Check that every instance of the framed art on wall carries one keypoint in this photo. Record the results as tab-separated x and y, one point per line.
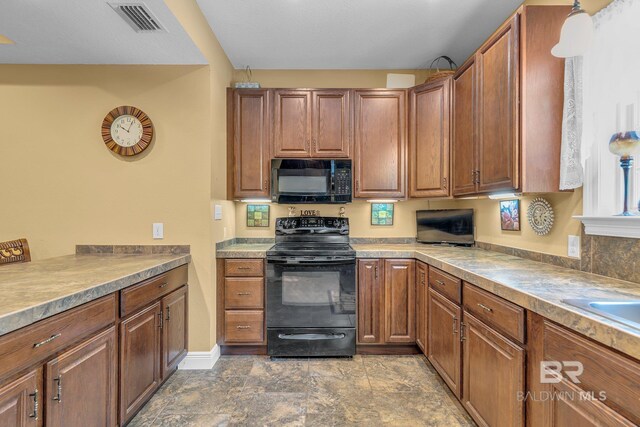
510	215
257	215
381	213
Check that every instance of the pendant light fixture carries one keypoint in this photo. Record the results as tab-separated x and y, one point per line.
576	34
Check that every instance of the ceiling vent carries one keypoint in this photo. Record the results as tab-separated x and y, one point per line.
138	16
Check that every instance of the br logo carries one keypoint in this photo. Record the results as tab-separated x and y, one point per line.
551	371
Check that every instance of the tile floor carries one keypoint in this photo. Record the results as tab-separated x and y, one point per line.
258	391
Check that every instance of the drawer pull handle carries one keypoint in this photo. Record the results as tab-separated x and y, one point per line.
36	406
244	293
47	341
58	396
243	327
162	285
244	268
485	308
440	282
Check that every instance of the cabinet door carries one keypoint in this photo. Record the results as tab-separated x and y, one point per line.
292	123
498	123
21	401
380	143
421	305
140	372
399	301
444	347
174	330
370	297
463	150
493	372
251	150
429	132
81	384
331	121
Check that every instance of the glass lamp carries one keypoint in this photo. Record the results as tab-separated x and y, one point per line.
625	145
576	34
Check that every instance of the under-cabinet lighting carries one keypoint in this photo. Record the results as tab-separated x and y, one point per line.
499	196
256	200
383	201
5	40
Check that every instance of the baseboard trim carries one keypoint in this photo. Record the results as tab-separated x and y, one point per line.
200	360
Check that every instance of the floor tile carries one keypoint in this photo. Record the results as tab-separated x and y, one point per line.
258	391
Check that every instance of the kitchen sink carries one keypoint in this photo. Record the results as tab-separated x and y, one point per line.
622	311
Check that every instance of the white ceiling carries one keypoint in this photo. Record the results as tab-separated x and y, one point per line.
351	34
89	32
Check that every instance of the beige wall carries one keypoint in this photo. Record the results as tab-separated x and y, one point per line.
67	188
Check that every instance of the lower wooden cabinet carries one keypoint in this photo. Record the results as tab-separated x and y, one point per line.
174	330
370	301
81	384
386	301
494	376
140	373
399	301
443	343
21	400
422	290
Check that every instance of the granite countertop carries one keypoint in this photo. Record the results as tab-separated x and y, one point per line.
533	285
36	290
244	250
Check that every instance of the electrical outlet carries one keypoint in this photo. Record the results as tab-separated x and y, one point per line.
573	247
217	212
158	230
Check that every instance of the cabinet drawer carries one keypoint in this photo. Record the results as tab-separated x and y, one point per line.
503	315
34	343
244	326
603	369
142	294
243	292
445	284
244	267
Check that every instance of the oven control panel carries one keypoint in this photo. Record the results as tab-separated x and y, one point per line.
316	224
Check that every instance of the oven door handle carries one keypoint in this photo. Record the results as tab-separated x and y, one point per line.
310	261
311	337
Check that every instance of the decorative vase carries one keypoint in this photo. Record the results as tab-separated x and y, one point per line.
626	145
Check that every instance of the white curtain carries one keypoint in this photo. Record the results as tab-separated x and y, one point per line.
571	174
611	100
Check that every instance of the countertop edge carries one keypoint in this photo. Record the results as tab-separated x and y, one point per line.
48	309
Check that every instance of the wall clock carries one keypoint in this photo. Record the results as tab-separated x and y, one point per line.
540	215
127	130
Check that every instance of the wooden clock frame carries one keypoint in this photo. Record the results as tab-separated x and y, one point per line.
147	130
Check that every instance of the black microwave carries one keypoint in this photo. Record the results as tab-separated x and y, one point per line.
296	181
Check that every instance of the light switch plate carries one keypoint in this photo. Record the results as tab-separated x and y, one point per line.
158	230
573	247
217	212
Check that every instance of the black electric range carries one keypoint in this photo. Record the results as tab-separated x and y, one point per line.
311	288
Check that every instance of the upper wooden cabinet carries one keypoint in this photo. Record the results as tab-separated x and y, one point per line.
507	110
429	135
311	123
380	143
291	123
248	128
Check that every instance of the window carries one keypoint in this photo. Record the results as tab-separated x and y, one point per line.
611	90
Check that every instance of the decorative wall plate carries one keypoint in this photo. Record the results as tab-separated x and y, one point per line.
540	215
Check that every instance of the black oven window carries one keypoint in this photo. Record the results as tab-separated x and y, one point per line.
310	288
302	184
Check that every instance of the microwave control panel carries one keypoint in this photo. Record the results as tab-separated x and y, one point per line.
342	181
